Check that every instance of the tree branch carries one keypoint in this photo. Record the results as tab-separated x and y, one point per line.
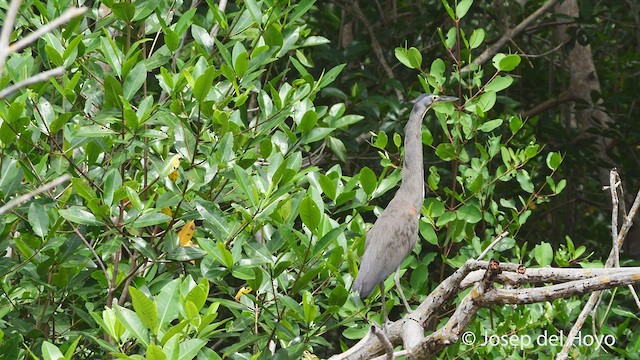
493	49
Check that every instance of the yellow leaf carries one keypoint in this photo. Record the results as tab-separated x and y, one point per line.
173	176
243	290
186	233
175	162
309	356
167	211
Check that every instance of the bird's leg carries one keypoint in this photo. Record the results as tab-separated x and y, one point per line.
385	317
396	279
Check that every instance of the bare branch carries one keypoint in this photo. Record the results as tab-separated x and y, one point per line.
493	49
5	35
496	241
22	198
65	17
43	76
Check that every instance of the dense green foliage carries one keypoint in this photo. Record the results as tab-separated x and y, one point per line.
221	190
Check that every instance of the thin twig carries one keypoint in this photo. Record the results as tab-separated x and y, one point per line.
493	49
65	17
497	240
613	188
221	7
5	35
43	76
611	260
22	198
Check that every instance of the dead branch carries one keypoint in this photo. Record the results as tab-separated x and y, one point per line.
521	288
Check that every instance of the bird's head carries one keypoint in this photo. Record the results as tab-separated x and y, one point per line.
428	100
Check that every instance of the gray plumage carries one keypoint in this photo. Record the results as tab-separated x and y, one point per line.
395	233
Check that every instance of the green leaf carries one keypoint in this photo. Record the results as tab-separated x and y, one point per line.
91	131
490	125
154	352
368	180
504	62
145	308
144	8
515	124
330	76
463	7
308	121
301	8
79	215
381	140
543	253
151	218
554	160
225	255
240	59
316	134
449	10
561	185
337	147
487	100
254	10
167	299
124	11
310	213
198	295
203	84
525	181
51	352
309	308
202	37
245	184
327	186
446	151
112	183
469	213
132	322
134	81
476	39
38	219
499	83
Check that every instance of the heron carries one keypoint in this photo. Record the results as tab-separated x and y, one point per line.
395	232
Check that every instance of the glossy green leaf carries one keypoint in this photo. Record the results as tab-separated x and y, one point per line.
145	308
554	160
38	219
462	8
543	253
499	83
469	213
310	213
51	352
132	322
79	215
476	38
368	180
203	84
490	125
525	181
151	218
134	81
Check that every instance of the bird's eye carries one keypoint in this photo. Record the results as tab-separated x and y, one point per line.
435	97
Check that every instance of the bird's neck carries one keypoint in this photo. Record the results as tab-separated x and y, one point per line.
413	167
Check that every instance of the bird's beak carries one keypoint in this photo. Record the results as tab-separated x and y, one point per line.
443	98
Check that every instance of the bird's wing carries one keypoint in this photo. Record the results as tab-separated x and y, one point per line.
391	239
